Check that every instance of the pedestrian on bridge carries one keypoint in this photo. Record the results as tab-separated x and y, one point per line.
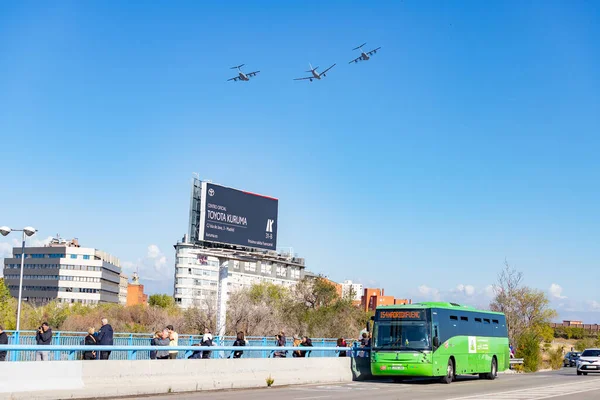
90	340
207	340
3	341
163	340
306	342
43	337
105	338
173	341
341	342
239	341
280	342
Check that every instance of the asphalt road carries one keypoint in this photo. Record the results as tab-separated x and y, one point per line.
557	385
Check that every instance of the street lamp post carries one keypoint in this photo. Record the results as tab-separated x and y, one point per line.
27	231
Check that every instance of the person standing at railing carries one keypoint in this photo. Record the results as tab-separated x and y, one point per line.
163	340
207	340
154	342
173	341
89	340
105	338
306	342
296	343
341	342
3	340
279	342
239	341
43	337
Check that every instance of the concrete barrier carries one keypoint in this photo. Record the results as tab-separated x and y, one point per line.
91	379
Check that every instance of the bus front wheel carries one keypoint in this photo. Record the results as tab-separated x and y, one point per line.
449	377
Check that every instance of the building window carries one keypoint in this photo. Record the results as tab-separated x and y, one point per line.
74	256
86	257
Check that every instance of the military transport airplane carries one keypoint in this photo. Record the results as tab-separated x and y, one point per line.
363	56
242	76
315	74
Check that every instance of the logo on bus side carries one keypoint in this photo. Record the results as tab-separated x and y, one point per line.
472	344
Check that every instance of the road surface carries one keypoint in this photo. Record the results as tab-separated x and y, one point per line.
556	385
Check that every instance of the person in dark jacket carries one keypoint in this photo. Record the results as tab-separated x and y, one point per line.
239	341
341	342
105	338
3	340
90	340
280	342
207	340
155	342
306	342
43	337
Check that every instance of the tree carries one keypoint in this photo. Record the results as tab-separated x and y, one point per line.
161	301
4	292
527	310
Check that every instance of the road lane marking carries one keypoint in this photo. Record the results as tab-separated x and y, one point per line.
537	393
312	398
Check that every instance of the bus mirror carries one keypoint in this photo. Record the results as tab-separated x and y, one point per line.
372	318
436	341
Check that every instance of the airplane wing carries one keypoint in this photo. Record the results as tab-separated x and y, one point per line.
357	59
233	79
252	74
373	51
301	79
323	73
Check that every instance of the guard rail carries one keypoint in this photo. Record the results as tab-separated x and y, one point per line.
133	352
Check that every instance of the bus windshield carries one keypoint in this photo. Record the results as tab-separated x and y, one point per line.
402	335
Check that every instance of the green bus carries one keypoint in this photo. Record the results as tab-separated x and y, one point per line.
435	339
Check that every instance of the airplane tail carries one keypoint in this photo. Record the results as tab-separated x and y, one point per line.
238	67
311	68
359	47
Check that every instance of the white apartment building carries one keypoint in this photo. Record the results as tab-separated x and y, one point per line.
350	288
123	285
197	272
64	271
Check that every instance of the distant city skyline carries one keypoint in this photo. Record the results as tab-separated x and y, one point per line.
470	138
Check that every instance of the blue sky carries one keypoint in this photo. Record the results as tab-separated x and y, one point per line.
470	138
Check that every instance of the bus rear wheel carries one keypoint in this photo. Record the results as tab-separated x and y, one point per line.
449	377
493	370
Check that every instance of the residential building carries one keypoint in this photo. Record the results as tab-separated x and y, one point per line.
197	269
135	292
123	282
65	271
352	290
372	298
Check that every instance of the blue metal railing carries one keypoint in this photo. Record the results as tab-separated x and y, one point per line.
66	338
74	352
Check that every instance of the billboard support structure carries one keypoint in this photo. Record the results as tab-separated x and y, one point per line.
222	298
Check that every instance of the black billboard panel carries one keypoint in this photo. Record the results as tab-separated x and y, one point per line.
236	217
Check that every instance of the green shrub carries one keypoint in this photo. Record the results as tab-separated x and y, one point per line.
585	343
529	350
556	358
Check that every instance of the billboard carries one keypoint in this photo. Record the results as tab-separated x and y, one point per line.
235	217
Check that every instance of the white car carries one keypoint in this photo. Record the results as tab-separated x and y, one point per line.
589	361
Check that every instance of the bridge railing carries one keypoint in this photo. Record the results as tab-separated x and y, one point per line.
64	338
125	352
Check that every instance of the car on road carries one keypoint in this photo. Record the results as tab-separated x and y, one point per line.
589	361
570	359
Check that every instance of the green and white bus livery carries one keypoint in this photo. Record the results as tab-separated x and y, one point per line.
434	339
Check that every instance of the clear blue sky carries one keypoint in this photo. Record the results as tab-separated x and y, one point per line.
473	136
